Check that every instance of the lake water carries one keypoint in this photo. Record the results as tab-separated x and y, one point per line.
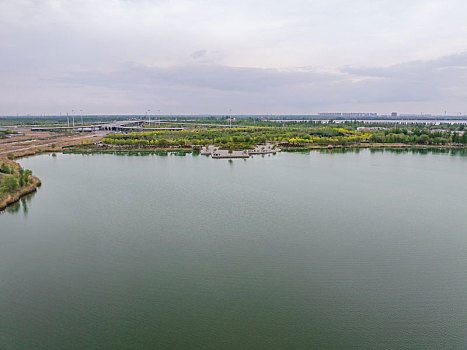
356	250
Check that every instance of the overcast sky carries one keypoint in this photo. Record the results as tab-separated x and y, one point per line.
265	56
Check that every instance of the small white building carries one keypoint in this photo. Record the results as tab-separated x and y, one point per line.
264	149
222	153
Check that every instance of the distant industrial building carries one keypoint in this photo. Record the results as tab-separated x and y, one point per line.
347	115
421	115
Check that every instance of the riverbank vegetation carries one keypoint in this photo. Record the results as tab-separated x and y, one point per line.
15	182
5	133
298	135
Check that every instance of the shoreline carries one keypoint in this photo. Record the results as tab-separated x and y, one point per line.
186	150
14	197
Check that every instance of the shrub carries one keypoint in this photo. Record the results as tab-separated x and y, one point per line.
9	184
5	169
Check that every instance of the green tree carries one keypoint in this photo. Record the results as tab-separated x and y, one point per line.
27	174
9	184
21	177
424	139
163	143
464	138
5	169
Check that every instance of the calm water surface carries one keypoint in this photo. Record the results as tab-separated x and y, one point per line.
354	250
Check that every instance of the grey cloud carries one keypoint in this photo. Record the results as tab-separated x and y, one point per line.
412	81
214	77
418	80
425	70
211	88
198	54
70	52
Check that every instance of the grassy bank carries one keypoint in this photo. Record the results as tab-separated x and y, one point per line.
128	151
15	182
136	150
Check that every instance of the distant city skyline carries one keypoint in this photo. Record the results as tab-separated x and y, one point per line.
242	57
321	115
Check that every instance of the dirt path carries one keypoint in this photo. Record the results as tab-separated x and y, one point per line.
31	142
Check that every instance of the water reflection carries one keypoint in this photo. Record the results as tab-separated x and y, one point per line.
13	208
355	150
23	203
162	153
339	150
404	150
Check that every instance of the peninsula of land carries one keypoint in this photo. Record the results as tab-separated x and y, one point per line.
15	182
252	136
